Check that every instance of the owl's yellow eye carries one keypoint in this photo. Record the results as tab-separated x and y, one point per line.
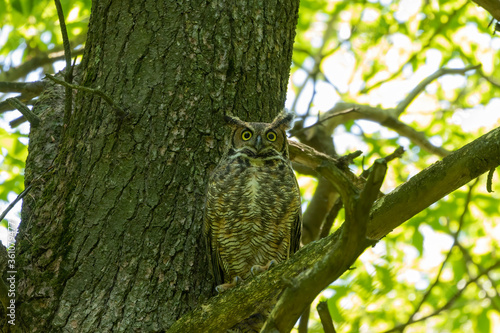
246	135
271	136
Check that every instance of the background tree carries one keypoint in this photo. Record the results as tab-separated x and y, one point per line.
110	238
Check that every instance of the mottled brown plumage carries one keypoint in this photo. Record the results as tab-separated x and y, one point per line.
253	212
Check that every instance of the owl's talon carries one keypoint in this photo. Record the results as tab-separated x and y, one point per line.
226	286
257	269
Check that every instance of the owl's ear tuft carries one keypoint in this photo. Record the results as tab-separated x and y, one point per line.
283	120
233	121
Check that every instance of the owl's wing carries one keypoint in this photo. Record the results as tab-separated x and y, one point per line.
214	257
296	232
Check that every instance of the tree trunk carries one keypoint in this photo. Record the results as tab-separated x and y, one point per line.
111	238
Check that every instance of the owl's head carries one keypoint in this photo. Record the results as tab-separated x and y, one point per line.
260	139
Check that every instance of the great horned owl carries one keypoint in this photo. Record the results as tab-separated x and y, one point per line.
252	213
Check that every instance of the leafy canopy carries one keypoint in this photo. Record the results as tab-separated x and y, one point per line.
436	272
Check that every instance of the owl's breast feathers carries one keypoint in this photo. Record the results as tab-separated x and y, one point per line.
253	213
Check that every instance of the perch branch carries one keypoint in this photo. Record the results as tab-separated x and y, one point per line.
98	92
433	183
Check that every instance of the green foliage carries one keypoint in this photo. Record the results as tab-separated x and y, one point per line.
30	30
376	52
365	52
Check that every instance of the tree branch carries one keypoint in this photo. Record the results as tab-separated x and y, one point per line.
385	117
68	76
422	85
337	259
25	68
24	98
433	183
411	319
450	302
326	318
32	118
35	87
492	6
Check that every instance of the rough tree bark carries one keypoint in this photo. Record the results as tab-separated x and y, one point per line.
110	238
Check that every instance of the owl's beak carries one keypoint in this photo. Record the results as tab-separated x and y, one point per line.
258	142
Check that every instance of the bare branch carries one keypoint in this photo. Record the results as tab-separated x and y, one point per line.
489	180
450	302
326	318
68	75
25	68
35	88
385	117
438	31
13	203
32	118
98	92
422	85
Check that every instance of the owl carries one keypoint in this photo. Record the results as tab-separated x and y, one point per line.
253	212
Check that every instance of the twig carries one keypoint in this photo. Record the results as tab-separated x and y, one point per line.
98	92
437	32
16	122
32	118
15	73
68	76
385	117
489	181
349	158
489	79
13	203
422	85
468	259
450	301
320	121
396	154
448	255
326	318
330	218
